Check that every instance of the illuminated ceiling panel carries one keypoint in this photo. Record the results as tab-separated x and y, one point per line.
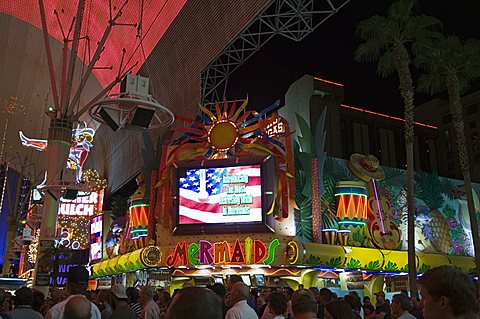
155	20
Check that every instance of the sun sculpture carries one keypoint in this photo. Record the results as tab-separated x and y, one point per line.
230	132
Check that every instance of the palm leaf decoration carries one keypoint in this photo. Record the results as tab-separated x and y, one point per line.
305	154
394	177
429	189
119	206
447	187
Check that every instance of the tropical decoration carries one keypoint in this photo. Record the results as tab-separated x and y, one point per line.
310	156
434	225
383	232
441	216
230	132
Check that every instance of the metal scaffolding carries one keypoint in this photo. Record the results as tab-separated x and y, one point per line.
293	19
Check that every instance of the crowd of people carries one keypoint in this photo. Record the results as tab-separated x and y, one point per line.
445	293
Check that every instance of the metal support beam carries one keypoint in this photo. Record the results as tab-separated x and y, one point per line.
293	19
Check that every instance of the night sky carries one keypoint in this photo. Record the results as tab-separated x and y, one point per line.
328	53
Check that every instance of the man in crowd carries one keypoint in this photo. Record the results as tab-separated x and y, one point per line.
3	296
76	286
401	305
23	301
446	293
78	307
304	304
150	309
382	310
237	300
195	303
133	296
277	304
220	291
120	299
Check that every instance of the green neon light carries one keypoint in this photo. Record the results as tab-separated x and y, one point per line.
271	252
137	205
139	230
352	223
351	193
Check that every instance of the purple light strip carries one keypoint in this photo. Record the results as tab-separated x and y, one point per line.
378	205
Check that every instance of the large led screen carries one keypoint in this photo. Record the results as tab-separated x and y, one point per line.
220	195
224	196
96	237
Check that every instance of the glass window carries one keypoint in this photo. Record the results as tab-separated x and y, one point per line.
472	109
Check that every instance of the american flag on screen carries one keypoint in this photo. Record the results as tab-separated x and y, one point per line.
202	189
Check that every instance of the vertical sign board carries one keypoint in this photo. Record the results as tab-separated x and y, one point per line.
96	237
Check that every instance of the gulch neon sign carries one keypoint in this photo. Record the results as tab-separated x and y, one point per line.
207	253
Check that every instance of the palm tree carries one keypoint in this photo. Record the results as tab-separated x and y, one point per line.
387	40
451	64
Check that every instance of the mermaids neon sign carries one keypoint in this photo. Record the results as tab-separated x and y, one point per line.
221	253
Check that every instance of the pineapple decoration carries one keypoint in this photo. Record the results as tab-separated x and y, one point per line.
434	225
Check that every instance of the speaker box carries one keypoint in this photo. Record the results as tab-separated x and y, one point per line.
110	117
142	117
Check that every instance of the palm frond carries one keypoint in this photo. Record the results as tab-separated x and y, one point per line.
386	64
432	83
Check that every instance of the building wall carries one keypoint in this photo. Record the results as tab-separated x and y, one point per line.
437	112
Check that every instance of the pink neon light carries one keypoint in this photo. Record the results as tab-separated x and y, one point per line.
157	17
384	115
327	81
378	205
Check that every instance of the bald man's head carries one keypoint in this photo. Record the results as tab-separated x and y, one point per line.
78	307
239	292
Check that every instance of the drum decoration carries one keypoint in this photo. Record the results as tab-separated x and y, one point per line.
343	236
351	203
352	211
139	223
139	216
329	236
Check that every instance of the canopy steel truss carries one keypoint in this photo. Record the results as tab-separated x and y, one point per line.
294	19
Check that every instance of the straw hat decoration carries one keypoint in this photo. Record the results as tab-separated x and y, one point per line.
366	167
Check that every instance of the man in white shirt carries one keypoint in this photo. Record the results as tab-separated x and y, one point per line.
76	285
401	305
237	299
150	309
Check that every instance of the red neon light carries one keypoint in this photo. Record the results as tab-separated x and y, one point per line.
327	81
384	115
